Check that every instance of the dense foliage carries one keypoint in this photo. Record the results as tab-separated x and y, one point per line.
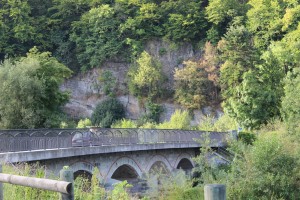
264	169
146	76
254	42
30	94
107	112
196	84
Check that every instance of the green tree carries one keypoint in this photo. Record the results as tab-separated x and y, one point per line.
30	90
196	85
97	36
222	12
258	102
251	86
107	112
265	20
146	76
239	56
185	20
144	24
290	101
17	32
191	85
286	54
60	16
108	81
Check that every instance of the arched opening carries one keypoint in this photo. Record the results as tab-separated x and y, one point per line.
159	168
85	178
125	172
84	174
186	165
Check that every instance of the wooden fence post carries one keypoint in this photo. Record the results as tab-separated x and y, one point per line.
67	175
214	192
1	185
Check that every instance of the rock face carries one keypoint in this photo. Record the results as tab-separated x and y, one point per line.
87	91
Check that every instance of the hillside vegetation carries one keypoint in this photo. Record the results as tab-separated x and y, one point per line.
249	63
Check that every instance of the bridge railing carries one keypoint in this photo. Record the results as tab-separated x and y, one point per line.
41	139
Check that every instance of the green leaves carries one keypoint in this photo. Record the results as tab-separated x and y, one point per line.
256	103
290	102
146	77
96	36
220	11
107	112
30	90
268	20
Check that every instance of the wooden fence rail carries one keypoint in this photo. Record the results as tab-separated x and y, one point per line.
65	186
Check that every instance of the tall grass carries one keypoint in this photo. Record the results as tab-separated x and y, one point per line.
14	192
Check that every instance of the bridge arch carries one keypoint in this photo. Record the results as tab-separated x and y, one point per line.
184	162
126	166
158	160
84	169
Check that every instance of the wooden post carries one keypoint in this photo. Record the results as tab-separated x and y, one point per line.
67	175
214	192
1	185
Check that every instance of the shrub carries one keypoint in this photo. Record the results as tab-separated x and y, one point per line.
267	170
148	125
153	111
179	120
246	137
83	123
107	112
109	82
124	123
146	76
206	123
195	193
290	102
120	191
225	123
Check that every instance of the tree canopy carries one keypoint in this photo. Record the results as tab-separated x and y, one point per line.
30	90
257	48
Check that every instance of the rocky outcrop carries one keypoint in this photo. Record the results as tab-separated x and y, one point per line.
86	90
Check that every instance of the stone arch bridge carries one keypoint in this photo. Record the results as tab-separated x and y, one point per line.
119	154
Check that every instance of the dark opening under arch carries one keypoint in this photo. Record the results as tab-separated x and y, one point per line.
84	174
86	179
125	172
159	167
185	164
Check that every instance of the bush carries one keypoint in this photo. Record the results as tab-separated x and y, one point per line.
247	138
179	120
225	123
154	111
146	77
195	193
107	112
206	123
124	123
269	169
108	81
83	123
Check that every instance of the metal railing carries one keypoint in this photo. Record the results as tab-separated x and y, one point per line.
42	139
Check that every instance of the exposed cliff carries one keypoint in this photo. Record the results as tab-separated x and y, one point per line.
87	91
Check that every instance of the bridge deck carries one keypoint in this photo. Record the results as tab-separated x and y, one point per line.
41	144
